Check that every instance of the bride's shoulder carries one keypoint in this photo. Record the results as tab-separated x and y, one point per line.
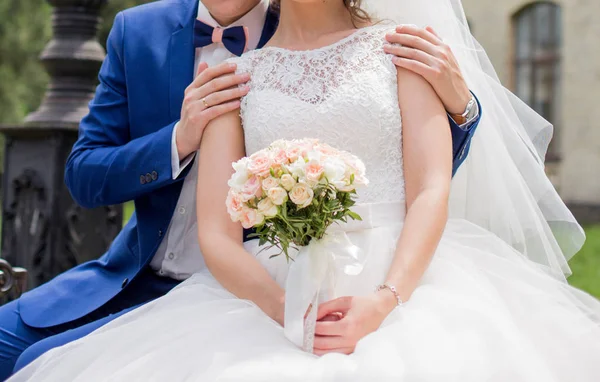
375	33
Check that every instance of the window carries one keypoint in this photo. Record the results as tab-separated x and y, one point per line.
537	67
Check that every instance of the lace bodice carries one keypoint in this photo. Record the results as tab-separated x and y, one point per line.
343	94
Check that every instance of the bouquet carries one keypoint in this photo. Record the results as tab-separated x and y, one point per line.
291	192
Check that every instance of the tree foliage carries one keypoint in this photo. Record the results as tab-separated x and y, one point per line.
25	28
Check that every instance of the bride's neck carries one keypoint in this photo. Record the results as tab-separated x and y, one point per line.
304	23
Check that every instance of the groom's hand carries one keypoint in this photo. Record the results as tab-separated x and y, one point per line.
423	52
214	92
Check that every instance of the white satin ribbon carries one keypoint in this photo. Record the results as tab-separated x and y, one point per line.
311	280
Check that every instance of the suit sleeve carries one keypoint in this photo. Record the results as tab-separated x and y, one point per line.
461	139
106	166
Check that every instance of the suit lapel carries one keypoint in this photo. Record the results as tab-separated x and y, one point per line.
271	23
181	56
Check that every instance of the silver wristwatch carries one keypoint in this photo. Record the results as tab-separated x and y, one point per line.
470	112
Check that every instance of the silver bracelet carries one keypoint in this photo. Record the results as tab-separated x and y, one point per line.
392	289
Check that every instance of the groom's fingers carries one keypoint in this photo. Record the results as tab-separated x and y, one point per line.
211	73
415	42
229	81
414	30
225	96
412	54
201	67
216	111
417	67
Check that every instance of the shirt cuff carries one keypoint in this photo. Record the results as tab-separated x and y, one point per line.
177	167
467	125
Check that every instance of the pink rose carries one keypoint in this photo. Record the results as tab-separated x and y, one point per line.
249	217
260	164
293	153
234	204
313	172
325	149
251	189
279	157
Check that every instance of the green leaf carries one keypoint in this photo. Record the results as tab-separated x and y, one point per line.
354	215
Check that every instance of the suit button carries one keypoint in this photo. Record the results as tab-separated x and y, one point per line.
154	175
160	233
124	283
148	178
142	179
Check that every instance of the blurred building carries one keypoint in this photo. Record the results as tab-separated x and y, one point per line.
548	54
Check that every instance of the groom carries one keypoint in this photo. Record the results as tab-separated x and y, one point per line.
139	142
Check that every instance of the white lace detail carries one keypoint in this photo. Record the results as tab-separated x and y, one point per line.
344	94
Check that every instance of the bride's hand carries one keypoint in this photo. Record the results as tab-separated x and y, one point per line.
360	316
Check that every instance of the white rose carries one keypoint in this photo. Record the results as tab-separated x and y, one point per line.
314	156
297	168
277	195
241	175
301	195
269	183
279	144
357	168
287	181
267	208
334	169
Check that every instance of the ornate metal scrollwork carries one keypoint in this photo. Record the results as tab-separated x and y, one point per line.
12	280
26	222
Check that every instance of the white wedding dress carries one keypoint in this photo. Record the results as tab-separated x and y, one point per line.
482	312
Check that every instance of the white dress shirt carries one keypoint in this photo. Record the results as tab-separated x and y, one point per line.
178	255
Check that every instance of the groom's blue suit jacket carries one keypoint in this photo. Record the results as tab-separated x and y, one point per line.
124	153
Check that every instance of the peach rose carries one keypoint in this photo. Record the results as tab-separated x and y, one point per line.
313	172
251	189
293	153
269	183
267	208
249	217
301	195
260	164
234	204
287	182
277	195
325	149
279	157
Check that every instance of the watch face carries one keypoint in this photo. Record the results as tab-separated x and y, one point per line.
472	109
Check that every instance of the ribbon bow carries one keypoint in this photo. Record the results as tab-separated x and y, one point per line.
234	38
311	279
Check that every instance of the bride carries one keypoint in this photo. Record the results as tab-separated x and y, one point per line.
471	275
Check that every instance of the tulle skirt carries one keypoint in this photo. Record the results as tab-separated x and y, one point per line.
482	312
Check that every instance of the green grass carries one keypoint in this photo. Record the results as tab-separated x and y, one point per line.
586	264
127	211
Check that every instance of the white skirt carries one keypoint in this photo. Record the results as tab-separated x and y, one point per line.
482	312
